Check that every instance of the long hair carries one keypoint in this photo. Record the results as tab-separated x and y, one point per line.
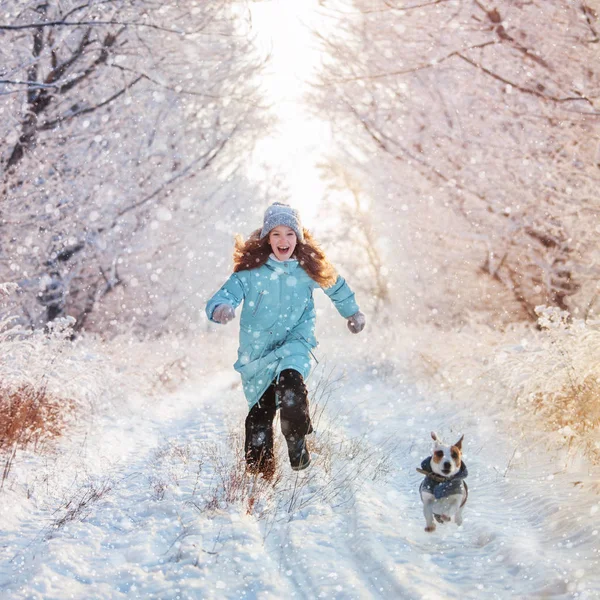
254	252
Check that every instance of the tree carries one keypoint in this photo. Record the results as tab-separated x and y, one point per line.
122	119
475	126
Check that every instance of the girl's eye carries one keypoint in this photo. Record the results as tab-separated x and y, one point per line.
439	453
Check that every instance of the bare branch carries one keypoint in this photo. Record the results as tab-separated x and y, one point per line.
526	90
414	6
206	159
48	125
589	13
60	69
29	84
108	42
88	24
428	65
388	7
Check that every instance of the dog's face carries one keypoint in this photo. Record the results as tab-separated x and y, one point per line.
446	460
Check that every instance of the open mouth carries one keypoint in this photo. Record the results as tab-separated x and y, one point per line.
283	250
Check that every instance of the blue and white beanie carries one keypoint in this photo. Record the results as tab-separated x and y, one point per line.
282	214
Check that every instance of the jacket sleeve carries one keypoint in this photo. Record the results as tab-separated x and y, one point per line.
342	297
232	293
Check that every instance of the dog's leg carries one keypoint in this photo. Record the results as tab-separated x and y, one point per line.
452	508
428	510
458	518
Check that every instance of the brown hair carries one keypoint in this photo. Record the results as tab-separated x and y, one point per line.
254	252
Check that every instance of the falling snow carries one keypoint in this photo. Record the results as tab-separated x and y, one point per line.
444	155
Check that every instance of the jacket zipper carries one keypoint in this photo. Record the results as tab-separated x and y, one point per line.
308	347
260	296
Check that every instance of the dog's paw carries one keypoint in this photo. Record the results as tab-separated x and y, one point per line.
430	528
458	520
446	518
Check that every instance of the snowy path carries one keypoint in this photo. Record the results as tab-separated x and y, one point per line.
351	526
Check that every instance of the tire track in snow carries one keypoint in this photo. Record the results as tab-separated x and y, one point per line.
319	565
325	534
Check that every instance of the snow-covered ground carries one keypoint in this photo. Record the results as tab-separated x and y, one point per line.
146	501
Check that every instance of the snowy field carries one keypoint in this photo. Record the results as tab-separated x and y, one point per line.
147	500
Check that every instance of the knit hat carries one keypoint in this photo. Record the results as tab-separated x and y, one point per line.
282	214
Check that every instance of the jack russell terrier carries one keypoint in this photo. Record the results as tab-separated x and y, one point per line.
443	491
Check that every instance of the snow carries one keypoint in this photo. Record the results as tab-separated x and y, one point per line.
144	495
350	526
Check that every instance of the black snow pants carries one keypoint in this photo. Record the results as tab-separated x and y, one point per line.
290	395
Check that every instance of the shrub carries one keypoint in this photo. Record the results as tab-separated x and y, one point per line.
29	416
550	373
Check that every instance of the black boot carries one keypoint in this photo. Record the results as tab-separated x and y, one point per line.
258	446
298	453
295	417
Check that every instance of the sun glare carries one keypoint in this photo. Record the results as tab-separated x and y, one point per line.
283	28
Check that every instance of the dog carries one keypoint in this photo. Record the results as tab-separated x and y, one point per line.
443	491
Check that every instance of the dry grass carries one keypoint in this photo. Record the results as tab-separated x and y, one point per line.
232	484
551	375
29	418
339	466
173	374
171	464
576	406
574	410
79	506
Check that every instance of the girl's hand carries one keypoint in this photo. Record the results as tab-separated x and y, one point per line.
223	313
356	323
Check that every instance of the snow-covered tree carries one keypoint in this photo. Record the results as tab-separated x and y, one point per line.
474	127
121	120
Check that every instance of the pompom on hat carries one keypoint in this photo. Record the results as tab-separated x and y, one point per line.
282	214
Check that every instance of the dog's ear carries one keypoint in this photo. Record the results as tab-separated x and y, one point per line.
434	437
459	443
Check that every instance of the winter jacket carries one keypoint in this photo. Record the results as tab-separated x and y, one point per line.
277	323
442	489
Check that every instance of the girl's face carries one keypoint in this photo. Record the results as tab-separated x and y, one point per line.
283	241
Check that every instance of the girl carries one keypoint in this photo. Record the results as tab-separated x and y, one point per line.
275	272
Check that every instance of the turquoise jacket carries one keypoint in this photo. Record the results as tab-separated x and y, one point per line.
277	324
